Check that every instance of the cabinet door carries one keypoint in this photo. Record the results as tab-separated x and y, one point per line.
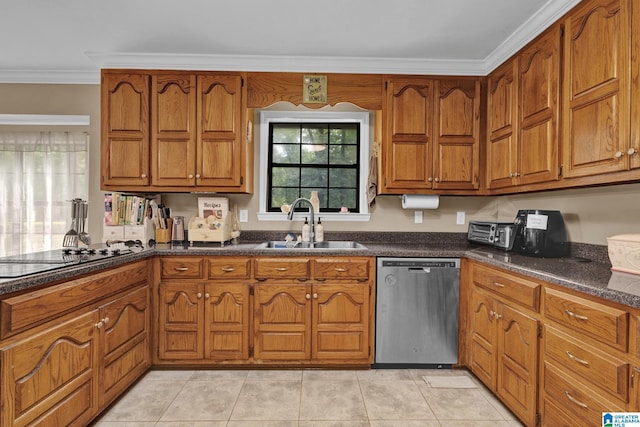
282	322
408	140
596	88
457	136
227	319
181	311
125	129
125	343
173	123
483	336
50	378
340	321
539	94
501	126
517	361
220	134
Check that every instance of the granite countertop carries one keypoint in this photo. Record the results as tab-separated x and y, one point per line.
587	269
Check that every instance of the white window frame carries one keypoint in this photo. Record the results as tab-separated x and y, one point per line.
363	118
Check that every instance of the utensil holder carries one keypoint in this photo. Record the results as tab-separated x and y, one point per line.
163	235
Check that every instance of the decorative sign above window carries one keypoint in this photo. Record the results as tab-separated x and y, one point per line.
314	89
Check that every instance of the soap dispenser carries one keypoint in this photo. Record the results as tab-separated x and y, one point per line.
306	230
319	231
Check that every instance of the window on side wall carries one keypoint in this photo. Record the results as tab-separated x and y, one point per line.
40	172
302	152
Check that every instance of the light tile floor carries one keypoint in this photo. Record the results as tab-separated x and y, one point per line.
304	398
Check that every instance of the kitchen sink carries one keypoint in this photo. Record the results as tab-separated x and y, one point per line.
334	244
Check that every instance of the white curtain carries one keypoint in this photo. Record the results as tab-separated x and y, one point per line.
40	172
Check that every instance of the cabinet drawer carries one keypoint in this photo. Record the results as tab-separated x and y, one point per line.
227	267
582	402
31	309
184	267
515	288
341	268
599	321
282	268
599	368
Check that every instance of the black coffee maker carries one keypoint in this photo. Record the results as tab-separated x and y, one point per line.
540	233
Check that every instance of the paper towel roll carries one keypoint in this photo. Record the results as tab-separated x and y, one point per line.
418	201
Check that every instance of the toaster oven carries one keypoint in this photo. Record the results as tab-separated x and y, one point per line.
500	235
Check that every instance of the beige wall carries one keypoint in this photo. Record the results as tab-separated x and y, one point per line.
591	214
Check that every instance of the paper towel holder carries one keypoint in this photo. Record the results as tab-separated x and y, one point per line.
420	201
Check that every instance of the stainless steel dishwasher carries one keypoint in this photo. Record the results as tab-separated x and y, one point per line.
417	312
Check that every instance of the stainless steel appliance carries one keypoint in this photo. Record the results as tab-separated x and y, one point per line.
417	312
40	262
500	235
534	232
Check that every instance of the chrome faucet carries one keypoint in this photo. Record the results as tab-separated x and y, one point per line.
312	226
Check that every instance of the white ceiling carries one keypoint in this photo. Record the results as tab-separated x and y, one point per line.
68	41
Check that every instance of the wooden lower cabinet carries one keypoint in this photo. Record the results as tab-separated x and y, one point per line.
65	374
51	378
312	323
203	321
504	352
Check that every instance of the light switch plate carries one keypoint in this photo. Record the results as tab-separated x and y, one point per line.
460	218
418	217
244	215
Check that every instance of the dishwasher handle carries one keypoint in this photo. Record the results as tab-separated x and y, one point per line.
419	269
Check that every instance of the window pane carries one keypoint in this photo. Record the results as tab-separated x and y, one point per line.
315	134
285	177
286	133
343	155
314	177
314	154
344	134
282	196
286	153
342	197
343	178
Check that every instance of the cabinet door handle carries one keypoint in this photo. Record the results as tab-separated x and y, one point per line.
228	269
144	175
575	315
632	151
206	295
281	269
430	179
315	296
618	154
199	295
574	400
341	270
99	325
437	179
105	320
308	296
198	175
190	176
181	268
576	359
498	284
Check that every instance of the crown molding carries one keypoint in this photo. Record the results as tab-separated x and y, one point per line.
546	16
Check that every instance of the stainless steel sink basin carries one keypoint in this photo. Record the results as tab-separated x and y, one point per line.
335	244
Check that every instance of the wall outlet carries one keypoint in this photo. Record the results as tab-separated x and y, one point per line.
244	215
460	218
418	217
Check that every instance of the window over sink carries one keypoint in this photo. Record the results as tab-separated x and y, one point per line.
305	151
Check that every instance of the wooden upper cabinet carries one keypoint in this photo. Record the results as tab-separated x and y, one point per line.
124	101
538	101
173	122
596	88
408	135
220	139
501	126
457	134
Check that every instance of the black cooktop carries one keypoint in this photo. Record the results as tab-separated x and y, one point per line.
40	262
